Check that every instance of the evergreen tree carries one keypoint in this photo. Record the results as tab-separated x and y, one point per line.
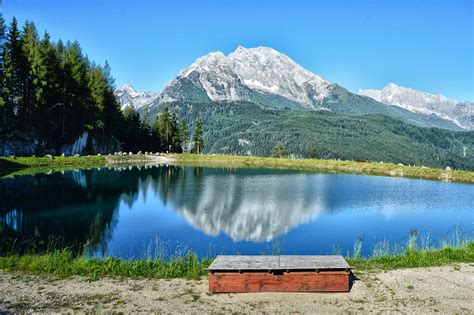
131	134
49	116
2	68
198	141
184	135
166	127
53	92
32	74
12	60
279	151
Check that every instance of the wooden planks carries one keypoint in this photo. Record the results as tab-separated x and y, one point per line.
241	262
324	281
279	274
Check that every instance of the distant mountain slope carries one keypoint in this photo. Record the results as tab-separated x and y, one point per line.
245	128
428	104
269	78
127	95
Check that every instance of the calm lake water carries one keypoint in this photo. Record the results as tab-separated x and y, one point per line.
167	210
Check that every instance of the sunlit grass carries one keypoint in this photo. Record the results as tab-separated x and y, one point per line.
339	166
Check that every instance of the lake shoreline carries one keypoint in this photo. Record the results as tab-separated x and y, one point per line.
331	166
445	289
32	165
11	165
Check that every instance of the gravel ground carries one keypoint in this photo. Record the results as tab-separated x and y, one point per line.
448	290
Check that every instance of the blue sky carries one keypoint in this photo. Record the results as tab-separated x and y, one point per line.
427	45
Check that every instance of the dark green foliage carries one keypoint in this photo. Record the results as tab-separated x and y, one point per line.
166	126
313	154
279	151
52	92
242	128
184	135
198	141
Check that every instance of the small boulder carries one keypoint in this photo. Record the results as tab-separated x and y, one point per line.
139	152
63	155
130	153
98	154
76	155
49	156
448	168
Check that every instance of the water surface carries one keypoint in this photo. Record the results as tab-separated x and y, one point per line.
167	210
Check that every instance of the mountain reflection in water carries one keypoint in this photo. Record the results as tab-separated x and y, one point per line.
125	208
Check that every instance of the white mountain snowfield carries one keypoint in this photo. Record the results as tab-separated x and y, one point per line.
413	100
128	96
264	75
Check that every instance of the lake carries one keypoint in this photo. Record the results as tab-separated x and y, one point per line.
136	212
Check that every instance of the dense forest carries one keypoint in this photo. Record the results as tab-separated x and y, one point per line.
243	128
51	94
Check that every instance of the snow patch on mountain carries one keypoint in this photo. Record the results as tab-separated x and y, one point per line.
423	103
128	96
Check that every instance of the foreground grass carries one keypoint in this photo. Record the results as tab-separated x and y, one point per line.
366	168
414	258
62	263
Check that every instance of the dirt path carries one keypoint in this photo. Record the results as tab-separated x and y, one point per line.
448	289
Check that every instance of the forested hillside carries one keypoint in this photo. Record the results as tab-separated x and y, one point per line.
245	128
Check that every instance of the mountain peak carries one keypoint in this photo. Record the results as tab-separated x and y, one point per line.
254	70
391	86
127	87
127	95
422	102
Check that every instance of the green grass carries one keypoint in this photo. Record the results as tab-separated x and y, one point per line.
7	163
340	166
413	258
32	165
62	263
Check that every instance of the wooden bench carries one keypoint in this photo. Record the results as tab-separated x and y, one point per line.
279	274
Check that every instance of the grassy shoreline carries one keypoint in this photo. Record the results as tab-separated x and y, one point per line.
33	164
62	263
335	166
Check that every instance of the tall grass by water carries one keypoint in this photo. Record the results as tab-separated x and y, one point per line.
64	263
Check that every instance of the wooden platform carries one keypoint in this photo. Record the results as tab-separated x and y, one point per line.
279	274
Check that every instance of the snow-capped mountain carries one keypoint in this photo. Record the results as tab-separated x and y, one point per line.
416	101
249	74
127	95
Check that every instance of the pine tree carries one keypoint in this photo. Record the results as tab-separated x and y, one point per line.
184	135
34	74
198	141
78	107
50	113
2	68
12	58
